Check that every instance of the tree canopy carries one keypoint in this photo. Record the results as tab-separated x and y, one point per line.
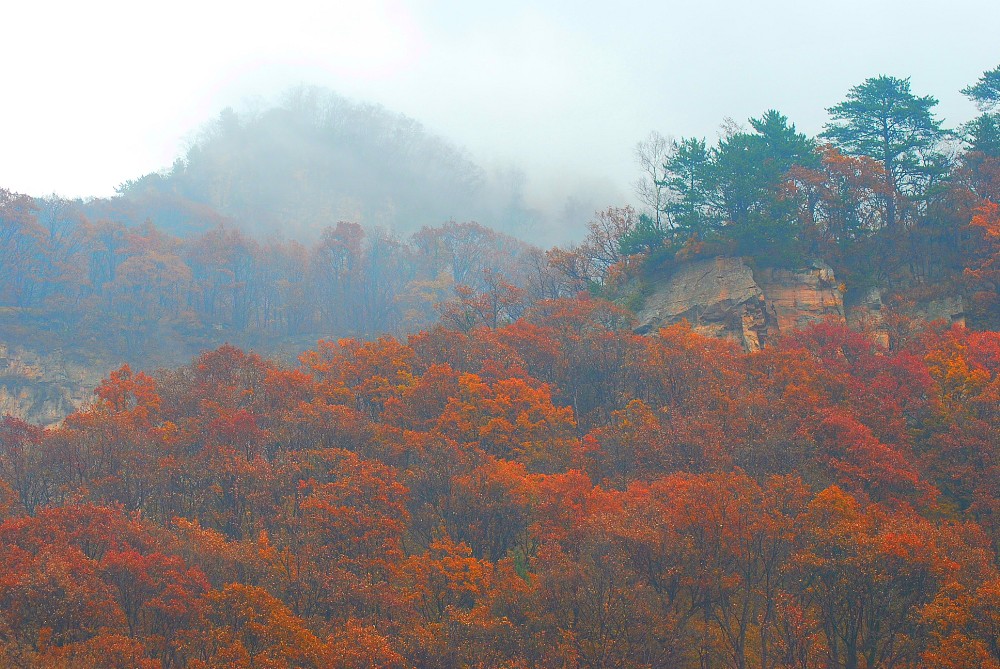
883	119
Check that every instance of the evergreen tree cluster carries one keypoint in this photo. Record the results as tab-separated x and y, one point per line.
884	175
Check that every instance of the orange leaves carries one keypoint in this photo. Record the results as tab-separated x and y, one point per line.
445	579
423	399
499	302
221	559
250	628
958	376
369	373
841	201
354	516
564	504
106	650
987	221
632	447
863	462
360	646
511	419
983	267
599	259
237	429
554	492
663	566
132	395
24	454
869	570
158	593
320	423
58	588
491	506
84	577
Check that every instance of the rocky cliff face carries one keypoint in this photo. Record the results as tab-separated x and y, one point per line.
723	297
44	388
871	311
714	295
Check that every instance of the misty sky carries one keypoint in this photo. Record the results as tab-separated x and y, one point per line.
103	91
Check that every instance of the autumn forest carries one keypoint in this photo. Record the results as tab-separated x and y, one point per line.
440	446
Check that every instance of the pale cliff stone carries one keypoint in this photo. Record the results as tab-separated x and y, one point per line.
796	298
719	297
723	297
44	388
950	309
869	312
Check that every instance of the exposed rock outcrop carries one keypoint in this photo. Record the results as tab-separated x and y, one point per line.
713	295
45	388
870	311
723	297
950	309
800	297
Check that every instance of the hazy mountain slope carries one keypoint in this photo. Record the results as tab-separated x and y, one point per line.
317	158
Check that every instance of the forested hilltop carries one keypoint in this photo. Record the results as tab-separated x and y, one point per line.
885	195
314	157
482	462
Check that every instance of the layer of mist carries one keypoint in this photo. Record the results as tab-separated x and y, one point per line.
316	158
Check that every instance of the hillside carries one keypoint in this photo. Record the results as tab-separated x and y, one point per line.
804	228
83	297
316	158
752	425
554	491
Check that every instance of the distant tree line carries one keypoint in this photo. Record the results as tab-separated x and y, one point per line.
140	292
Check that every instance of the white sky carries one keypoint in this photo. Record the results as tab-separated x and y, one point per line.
98	92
